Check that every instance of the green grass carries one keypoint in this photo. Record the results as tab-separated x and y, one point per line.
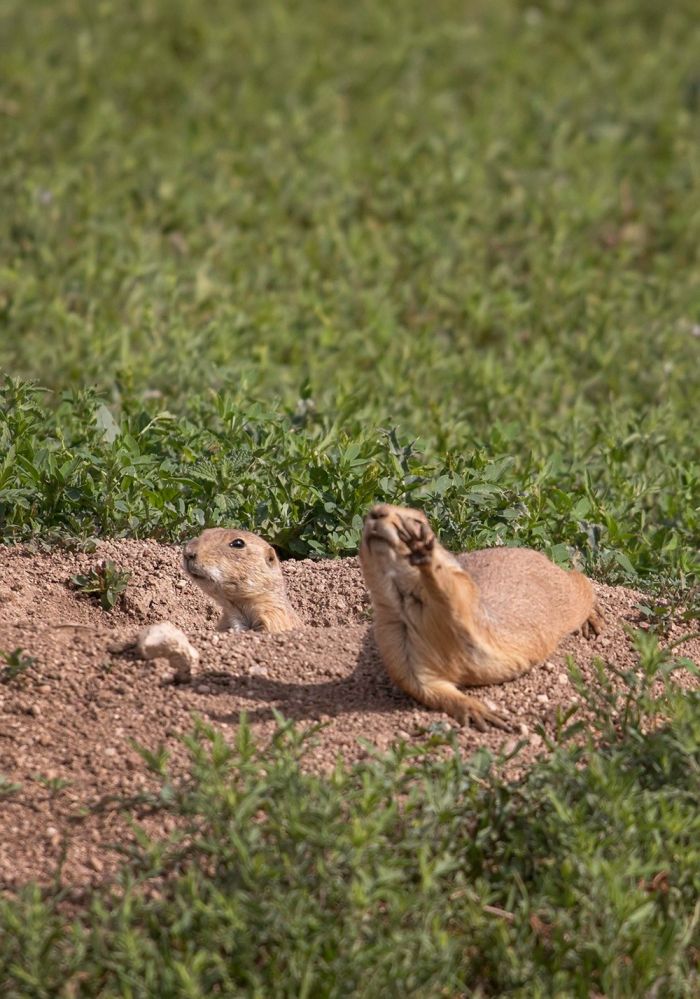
617	501
271	235
403	876
272	262
468	211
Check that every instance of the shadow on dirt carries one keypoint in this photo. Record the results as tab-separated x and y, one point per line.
366	689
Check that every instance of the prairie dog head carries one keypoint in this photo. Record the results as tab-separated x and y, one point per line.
232	566
384	552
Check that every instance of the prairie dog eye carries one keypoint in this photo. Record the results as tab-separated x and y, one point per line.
237	543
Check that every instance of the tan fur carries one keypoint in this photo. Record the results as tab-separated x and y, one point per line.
246	581
481	618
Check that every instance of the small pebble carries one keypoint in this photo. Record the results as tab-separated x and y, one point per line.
203	689
562	678
523	729
257	670
542	699
181	584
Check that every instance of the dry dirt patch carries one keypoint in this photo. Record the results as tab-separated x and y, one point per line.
68	722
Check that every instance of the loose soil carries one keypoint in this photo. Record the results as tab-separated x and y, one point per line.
68	722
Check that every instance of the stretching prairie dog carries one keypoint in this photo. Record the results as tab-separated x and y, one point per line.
242	573
484	618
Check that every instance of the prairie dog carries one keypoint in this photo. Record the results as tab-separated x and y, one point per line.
242	573
485	617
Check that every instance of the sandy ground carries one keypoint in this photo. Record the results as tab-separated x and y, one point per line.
68	722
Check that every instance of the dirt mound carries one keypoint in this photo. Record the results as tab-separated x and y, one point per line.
68	721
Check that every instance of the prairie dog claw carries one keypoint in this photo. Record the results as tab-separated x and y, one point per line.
418	537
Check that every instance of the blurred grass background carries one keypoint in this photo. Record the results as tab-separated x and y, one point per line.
473	223
418	204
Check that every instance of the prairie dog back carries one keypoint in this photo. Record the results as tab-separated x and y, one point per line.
520	588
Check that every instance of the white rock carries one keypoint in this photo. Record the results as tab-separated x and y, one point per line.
165	641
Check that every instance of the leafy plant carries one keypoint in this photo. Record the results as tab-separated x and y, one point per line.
16	663
228	460
675	602
105	581
622	702
8	787
409	873
54	785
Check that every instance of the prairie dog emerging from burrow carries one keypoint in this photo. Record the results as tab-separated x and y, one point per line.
485	617
242	573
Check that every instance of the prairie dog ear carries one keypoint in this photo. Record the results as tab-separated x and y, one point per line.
271	556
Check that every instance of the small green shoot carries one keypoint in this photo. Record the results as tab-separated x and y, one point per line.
7	787
54	785
16	663
105	581
677	603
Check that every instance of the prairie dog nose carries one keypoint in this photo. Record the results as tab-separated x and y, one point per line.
379	512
